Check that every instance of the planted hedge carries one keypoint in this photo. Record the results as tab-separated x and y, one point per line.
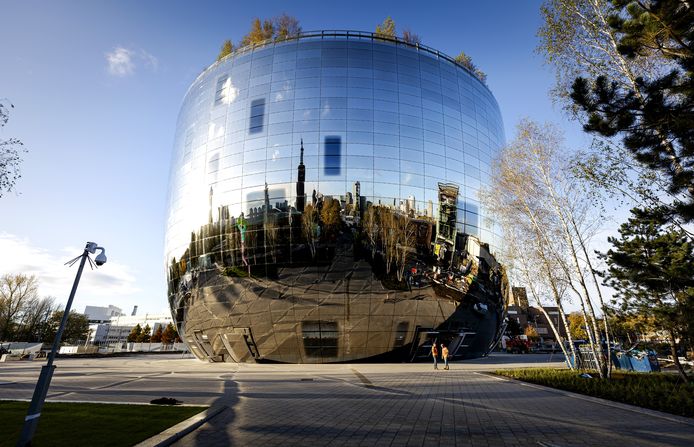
657	391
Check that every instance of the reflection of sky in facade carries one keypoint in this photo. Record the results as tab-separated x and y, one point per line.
397	120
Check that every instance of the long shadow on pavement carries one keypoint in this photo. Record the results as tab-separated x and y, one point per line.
216	431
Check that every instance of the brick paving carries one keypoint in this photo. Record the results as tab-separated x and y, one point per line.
358	404
422	408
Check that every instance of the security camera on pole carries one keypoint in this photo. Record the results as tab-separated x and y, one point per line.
34	413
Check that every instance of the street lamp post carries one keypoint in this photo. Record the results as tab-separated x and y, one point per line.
31	420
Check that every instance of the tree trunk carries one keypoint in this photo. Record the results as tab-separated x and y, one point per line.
569	338
673	352
585	297
557	300
603	308
556	335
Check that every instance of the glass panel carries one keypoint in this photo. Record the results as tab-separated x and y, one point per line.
333	155
257	116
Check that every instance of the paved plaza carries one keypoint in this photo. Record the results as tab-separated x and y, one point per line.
358	404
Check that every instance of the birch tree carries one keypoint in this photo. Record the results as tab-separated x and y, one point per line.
586	39
525	253
555	218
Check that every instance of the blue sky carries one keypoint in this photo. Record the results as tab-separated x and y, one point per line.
97	87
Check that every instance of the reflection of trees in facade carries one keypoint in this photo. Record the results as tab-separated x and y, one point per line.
271	234
396	237
330	216
389	237
309	227
406	231
370	228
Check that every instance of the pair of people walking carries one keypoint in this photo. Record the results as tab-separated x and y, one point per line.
435	354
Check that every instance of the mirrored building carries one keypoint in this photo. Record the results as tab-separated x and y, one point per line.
324	205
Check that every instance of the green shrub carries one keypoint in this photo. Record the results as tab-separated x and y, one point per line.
657	391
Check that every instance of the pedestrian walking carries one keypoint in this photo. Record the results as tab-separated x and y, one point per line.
444	355
435	354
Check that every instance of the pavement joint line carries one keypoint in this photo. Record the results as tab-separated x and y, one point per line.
123	382
598	400
58	394
178	431
492	376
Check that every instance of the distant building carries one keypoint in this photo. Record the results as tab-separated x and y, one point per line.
97	314
518	297
117	328
533	316
410	207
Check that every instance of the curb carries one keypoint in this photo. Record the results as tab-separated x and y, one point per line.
173	434
598	400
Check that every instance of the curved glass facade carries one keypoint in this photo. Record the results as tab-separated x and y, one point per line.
324	205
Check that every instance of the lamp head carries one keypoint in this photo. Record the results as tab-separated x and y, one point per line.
101	257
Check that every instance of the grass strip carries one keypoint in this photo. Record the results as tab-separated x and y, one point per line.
85	424
656	391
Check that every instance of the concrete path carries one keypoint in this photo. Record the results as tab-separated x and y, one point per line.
359	404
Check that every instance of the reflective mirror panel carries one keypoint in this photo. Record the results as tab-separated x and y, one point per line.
323	206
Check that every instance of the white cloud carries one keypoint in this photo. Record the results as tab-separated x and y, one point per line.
55	278
120	62
123	61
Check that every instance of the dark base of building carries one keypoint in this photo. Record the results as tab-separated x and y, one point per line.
292	319
338	303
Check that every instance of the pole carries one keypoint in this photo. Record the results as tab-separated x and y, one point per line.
31	421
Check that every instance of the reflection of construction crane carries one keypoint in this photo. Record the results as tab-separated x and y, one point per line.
448	208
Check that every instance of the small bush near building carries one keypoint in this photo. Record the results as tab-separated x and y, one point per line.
657	391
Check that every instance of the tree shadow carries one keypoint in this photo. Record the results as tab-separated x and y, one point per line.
217	431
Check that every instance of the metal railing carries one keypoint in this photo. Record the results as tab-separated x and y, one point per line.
348	34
